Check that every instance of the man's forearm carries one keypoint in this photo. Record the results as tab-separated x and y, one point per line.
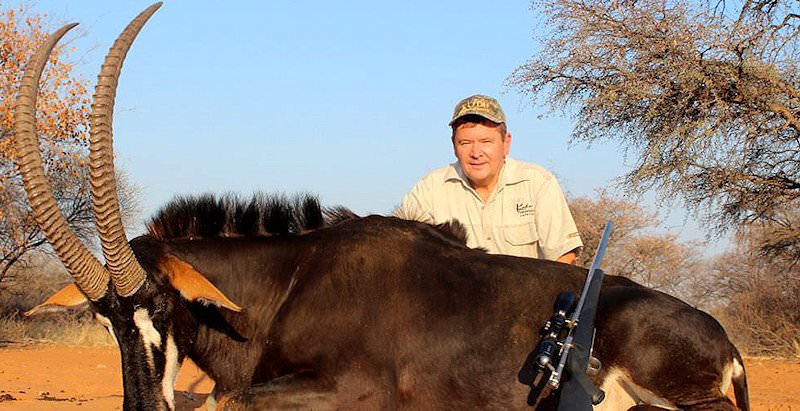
568	258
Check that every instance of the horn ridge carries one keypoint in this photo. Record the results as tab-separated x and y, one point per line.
90	276
126	273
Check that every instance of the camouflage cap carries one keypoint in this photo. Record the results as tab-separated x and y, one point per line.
479	105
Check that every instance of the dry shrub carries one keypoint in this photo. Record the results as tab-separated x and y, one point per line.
64	328
639	248
31	281
764	320
702	96
753	289
762	293
30	284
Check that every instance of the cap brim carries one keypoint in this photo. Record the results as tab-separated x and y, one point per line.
470	113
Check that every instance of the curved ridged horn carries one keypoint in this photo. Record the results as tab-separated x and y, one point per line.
126	273
90	275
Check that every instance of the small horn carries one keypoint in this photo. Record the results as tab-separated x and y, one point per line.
89	274
126	273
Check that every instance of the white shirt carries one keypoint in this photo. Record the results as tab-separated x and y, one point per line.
526	215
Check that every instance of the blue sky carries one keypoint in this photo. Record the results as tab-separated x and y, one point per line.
349	100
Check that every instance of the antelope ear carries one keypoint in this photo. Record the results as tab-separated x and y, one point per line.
192	285
68	297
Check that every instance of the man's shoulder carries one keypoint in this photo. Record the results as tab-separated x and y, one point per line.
441	174
524	171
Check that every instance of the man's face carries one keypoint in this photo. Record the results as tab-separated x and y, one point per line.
481	150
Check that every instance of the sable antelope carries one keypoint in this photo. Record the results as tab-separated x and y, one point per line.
283	307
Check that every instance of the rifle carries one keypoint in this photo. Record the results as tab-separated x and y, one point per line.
565	344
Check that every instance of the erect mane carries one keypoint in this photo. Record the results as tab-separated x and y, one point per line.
229	215
454	231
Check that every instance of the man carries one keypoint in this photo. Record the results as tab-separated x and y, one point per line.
507	206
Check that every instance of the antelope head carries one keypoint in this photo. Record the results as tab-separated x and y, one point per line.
140	292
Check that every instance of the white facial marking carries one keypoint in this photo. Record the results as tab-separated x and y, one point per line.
170	371
150	336
106	322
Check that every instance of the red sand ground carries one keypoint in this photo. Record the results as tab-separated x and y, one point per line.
80	378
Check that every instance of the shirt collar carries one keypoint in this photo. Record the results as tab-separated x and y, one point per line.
513	173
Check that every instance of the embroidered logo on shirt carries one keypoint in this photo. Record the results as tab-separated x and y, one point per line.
524	209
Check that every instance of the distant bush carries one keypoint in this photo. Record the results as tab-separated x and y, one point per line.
762	290
29	286
752	289
65	328
764	319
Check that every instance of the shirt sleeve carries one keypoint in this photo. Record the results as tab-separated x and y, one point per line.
416	204
557	232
